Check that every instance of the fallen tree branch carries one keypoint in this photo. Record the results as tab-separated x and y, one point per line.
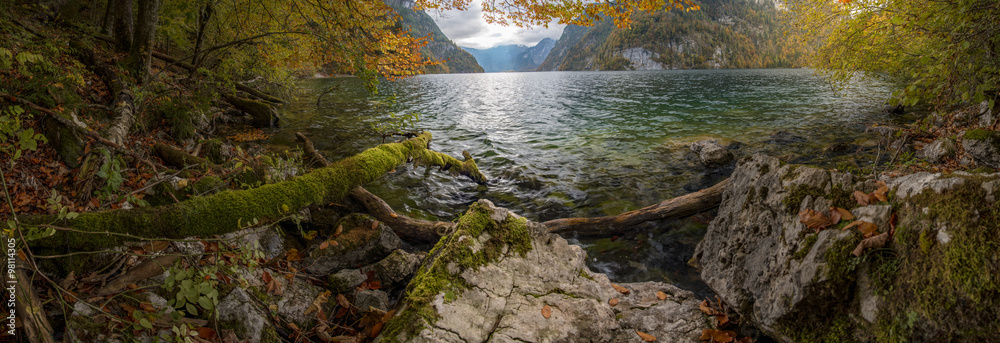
678	207
150	268
35	323
232	210
409	229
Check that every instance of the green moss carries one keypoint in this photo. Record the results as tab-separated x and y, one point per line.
802	252
840	263
838	196
926	241
838	329
461	250
953	286
978	134
584	274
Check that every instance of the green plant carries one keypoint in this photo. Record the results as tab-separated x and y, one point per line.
195	290
11	127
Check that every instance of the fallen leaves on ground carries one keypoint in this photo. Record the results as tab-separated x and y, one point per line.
875	242
645	336
880	192
707	308
613	301
546	311
342	301
862	198
317	304
719	336
660	295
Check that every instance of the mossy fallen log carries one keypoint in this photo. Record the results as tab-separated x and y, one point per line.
231	210
178	158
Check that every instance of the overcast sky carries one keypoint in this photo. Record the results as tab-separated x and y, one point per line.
469	29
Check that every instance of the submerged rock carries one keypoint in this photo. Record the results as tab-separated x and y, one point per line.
799	285
710	153
492	278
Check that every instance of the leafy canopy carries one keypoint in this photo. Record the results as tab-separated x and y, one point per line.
577	12
942	52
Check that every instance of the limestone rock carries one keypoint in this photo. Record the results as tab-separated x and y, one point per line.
748	255
938	150
360	243
710	153
983	146
796	285
345	280
396	267
491	278
249	322
370	298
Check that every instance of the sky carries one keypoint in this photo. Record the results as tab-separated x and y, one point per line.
469	29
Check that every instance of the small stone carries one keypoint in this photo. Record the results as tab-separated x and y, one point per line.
345	280
710	153
371	298
937	151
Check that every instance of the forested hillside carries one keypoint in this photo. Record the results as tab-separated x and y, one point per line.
455	60
723	34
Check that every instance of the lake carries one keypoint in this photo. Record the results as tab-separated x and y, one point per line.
565	144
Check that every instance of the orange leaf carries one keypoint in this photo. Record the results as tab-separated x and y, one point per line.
324	245
340	229
374	224
342	300
707	309
834	216
546	311
613	301
393	215
660	295
881	191
206	333
293	327
814	220
267	277
723	319
863	198
621	289
844	214
871	243
645	336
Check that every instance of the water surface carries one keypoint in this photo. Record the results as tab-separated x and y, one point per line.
561	144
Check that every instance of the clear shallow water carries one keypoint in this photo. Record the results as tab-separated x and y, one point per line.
561	144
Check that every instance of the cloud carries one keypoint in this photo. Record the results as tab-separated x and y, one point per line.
469	29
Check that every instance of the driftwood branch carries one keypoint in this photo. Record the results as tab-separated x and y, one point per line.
409	229
678	207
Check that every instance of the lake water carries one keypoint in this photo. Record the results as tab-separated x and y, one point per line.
563	144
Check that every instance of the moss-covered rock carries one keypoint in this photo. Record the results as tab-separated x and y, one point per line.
490	278
936	280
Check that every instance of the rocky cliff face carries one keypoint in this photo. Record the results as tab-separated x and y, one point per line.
723	34
932	281
455	60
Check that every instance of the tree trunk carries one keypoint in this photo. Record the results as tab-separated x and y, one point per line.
122	26
264	115
107	27
232	210
145	36
678	207
204	16
124	111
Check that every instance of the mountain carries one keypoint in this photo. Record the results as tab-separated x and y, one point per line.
420	24
513	57
723	34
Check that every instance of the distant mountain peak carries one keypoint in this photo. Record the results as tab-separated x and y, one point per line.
513	57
